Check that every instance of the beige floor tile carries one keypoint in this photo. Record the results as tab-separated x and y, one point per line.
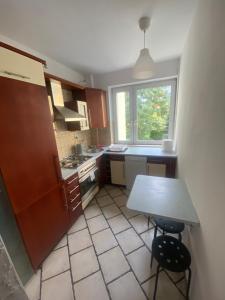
113	264
120	200
101	193
148	237
129	240
140	223
126	288
62	243
109	187
32	288
92	211
57	262
79	240
78	225
103	241
97	223
115	192
166	289
58	288
111	211
128	213
118	224
84	263
175	276
140	263
104	201
91	288
182	286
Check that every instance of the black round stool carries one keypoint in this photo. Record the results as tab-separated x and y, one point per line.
168	226
171	255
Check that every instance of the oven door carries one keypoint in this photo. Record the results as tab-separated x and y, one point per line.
89	182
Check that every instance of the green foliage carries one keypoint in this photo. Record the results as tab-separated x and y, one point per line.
153	105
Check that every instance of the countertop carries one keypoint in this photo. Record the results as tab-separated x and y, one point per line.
139	151
144	151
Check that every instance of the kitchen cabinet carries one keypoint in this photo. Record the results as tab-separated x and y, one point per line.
101	164
96	103
73	197
134	165
19	67
154	169
29	161
117	167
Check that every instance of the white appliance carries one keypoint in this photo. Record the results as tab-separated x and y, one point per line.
134	165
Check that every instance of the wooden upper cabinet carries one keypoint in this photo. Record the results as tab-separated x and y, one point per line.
20	67
96	103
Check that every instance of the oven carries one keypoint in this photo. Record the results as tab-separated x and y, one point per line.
89	181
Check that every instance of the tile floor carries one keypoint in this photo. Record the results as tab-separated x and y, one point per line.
106	256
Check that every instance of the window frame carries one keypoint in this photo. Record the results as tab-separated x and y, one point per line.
132	88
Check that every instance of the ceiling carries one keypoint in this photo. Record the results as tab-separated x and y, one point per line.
97	36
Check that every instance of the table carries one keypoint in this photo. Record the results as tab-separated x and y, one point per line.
162	197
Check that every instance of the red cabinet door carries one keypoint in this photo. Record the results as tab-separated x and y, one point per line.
29	166
28	148
96	103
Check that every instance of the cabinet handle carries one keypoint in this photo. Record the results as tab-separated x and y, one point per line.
73	209
75	178
72	200
14	74
73	189
65	202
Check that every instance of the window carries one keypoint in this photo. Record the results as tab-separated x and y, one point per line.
144	113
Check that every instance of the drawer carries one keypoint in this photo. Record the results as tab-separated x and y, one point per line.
71	182
74	198
72	190
75	211
19	67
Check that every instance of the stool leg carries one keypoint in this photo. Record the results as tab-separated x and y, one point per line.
155	234
155	231
188	284
156	282
151	260
179	237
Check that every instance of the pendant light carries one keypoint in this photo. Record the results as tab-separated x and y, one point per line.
144	66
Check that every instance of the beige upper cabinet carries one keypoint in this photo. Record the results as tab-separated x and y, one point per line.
16	66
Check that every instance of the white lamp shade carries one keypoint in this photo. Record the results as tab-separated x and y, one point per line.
144	67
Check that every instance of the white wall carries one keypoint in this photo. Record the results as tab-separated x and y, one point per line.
162	69
201	144
53	67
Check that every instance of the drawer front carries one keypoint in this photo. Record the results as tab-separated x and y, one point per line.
74	197
16	66
75	211
71	182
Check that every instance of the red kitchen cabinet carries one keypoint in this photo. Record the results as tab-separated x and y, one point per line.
73	196
29	166
96	103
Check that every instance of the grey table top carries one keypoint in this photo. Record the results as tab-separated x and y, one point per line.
162	197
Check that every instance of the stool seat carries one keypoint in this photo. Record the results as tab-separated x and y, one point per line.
171	254
169	226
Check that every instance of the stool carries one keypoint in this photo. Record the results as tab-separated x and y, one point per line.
171	255
168	226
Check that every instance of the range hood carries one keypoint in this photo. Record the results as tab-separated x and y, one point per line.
60	111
